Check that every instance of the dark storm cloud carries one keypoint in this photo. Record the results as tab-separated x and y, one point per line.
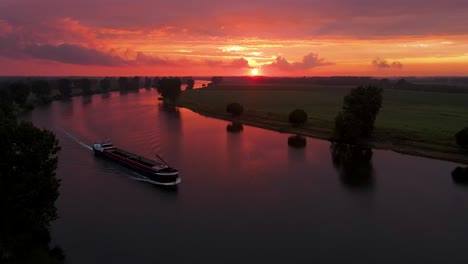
281	18
72	54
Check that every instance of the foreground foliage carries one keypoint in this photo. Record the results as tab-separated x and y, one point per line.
28	190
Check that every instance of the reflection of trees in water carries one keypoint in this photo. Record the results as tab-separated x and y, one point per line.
297	141
296	155
171	110
354	165
105	95
234	151
87	99
460	175
235	127
170	130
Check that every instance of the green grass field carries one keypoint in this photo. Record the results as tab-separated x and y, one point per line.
424	118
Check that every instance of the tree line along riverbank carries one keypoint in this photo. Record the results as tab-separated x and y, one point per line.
413	122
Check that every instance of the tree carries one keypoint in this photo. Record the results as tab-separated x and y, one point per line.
6	106
41	89
235	109
298	117
135	83
190	84
360	109
147	82
169	88
105	84
462	138
85	85
64	86
215	80
28	189
19	92
123	83
155	82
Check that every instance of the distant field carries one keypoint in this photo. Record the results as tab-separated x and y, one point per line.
421	117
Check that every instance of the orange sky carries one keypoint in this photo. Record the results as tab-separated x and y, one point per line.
280	38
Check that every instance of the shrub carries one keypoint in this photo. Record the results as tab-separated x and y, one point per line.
298	117
462	138
297	141
235	109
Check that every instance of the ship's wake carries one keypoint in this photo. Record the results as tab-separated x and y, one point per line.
76	140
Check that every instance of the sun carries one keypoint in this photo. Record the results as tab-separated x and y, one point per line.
254	72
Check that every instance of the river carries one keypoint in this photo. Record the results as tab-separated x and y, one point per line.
244	197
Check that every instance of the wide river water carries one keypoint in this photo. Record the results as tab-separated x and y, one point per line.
244	197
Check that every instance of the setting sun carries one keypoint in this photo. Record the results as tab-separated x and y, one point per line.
254	72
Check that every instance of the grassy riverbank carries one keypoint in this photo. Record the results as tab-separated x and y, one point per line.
417	123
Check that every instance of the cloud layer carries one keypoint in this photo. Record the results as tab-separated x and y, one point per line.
384	64
234	36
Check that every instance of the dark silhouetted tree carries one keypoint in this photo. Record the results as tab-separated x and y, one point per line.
462	138
28	191
41	89
298	117
360	109
169	88
190	84
64	86
123	83
235	109
85	85
105	84
155	83
135	83
148	82
216	80
19	92
6	105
